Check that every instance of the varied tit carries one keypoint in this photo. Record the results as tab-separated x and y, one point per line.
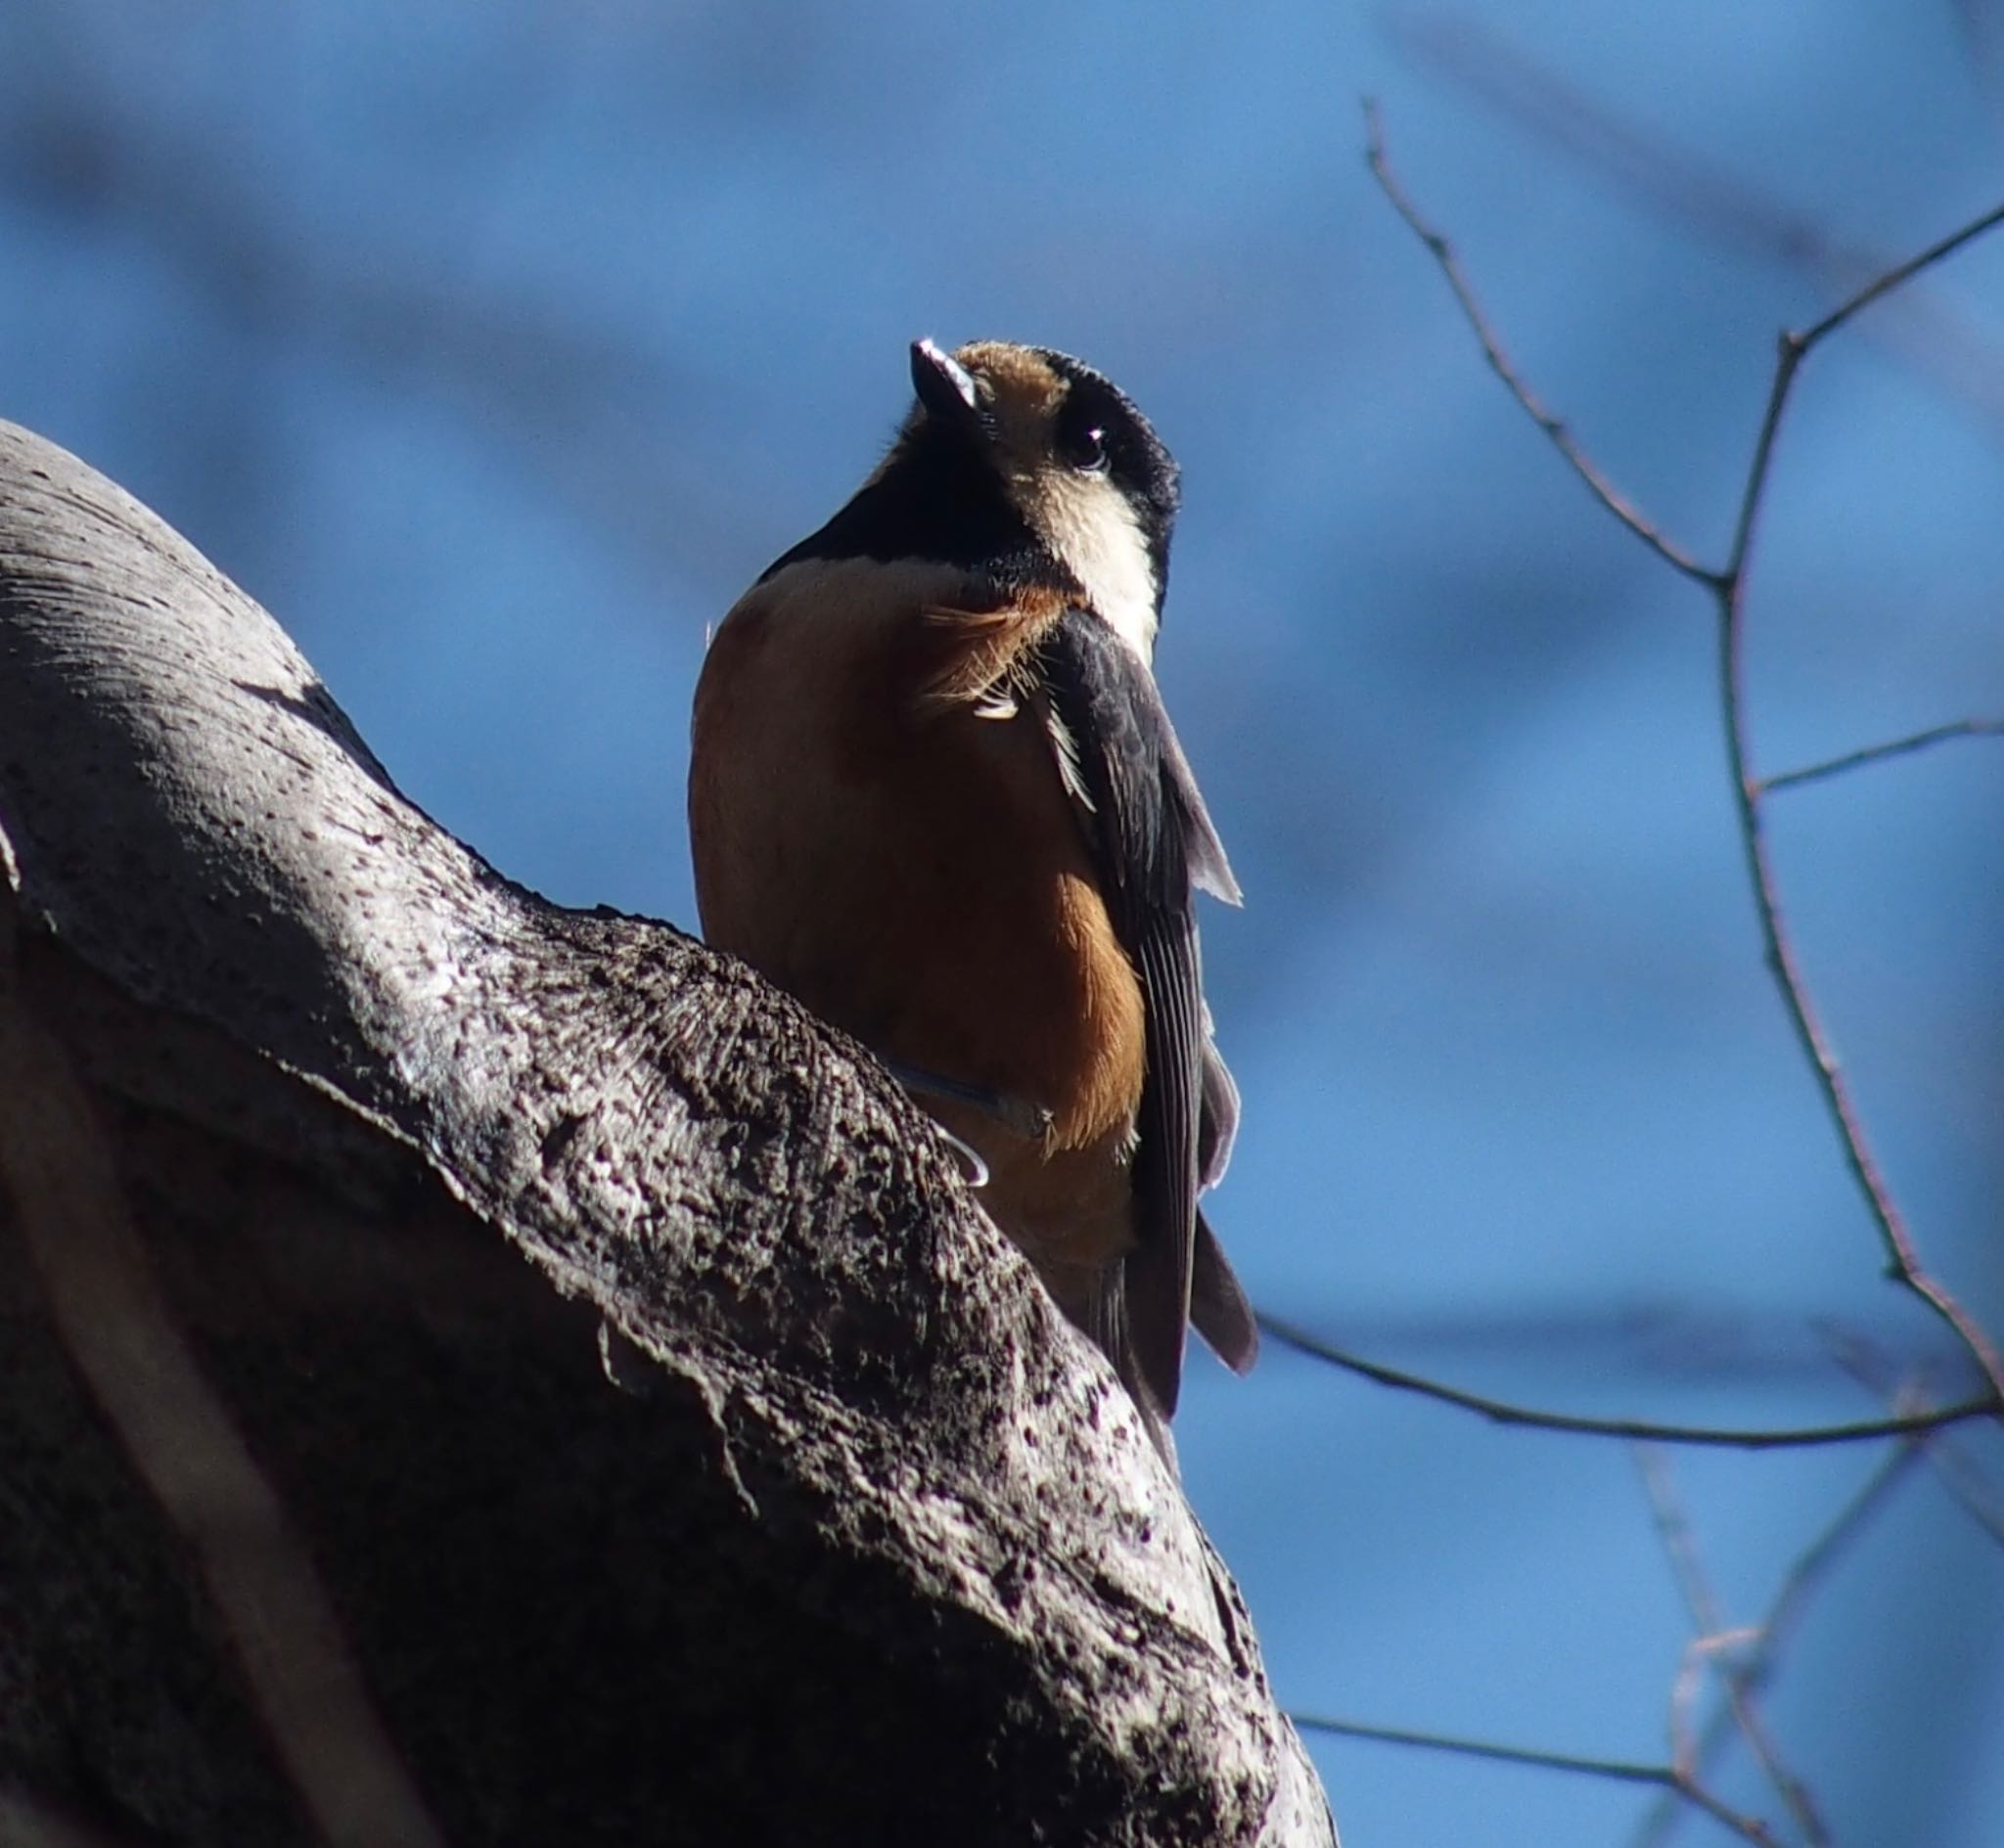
933	793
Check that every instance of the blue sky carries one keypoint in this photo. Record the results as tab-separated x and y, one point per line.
496	349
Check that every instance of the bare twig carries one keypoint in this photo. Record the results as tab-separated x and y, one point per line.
1598	484
1873	754
1705	199
1790	1603
1708	1621
1803	1578
1687	1683
1973	1492
1728	590
1903	1259
1902	274
1740	1676
1959	1474
1621	1770
1501	1411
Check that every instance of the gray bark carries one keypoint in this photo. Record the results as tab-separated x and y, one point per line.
472	1371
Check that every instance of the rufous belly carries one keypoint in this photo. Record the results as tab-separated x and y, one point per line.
915	873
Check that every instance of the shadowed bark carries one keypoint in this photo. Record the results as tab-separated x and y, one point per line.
474	1371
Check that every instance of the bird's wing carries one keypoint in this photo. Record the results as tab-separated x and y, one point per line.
1153	847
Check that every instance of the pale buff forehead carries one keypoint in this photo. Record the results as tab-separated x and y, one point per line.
1028	388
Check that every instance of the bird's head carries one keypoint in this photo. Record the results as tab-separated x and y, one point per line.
1046	455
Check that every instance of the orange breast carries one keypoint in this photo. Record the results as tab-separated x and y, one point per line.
911	870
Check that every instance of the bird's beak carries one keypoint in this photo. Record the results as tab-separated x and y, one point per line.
945	387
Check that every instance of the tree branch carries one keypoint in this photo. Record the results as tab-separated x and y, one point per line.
593	1358
1791	1600
1877	753
1561	439
1621	1771
1501	1411
1728	590
1708	1624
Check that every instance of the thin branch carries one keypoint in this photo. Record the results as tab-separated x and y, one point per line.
1789	352
1501	1411
1598	484
1709	1622
1873	754
1792	1597
1973	1492
1791	1601
1903	1258
1728	588
1621	1771
1902	274
1963	1477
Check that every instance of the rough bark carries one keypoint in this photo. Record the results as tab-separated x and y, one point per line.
472	1371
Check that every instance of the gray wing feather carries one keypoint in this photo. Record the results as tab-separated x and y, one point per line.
1153	847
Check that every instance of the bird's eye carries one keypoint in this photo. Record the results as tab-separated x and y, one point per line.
1086	450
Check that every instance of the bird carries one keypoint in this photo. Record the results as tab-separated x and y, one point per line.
935	796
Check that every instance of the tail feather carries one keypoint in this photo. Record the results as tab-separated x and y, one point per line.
1218	1305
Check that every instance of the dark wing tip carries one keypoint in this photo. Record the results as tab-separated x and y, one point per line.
1157	1313
1107	1321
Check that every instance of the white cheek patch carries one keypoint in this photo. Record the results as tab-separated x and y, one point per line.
1087	523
